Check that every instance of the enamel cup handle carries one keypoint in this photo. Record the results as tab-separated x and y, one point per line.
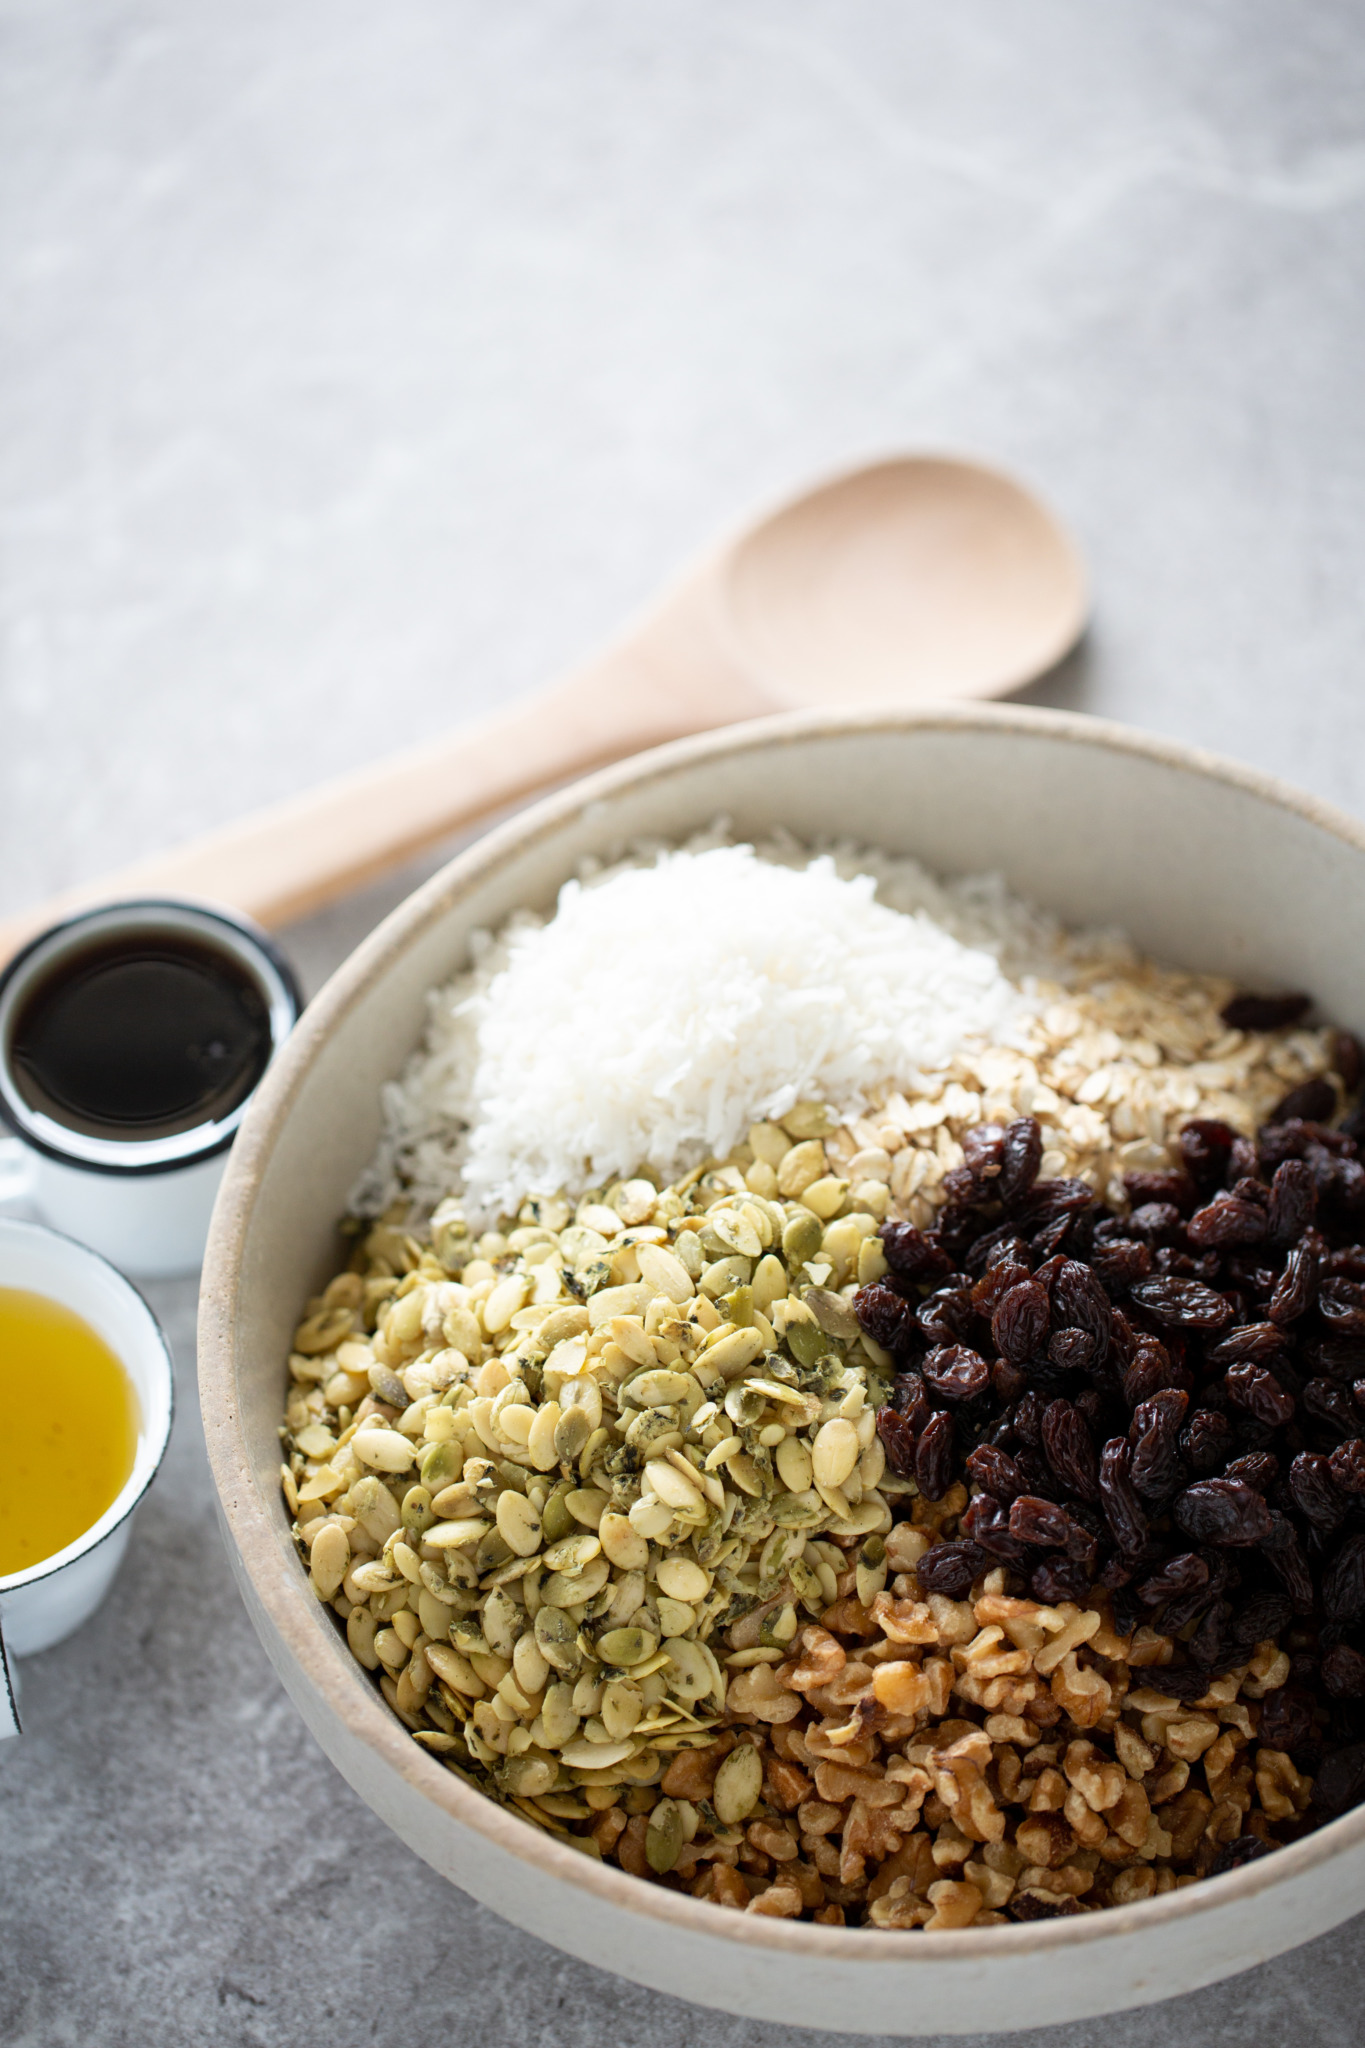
9	1695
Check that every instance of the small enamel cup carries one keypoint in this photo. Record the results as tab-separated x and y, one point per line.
49	1601
144	1203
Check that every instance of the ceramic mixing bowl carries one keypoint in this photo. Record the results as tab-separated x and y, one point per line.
1205	865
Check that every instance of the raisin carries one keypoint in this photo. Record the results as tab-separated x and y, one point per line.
945	1316
955	1372
1348	1465
1184	1684
1330	1404
996	1282
1020	1322
1287	1560
1260	1620
1258	1468
1258	1393
1009	1381
1186	1573
1226	1222
1183	1304
1021	1153
987	1522
1286	1718
934	1456
1052	1201
898	1441
1343	1583
1244	1160
1237	1854
1264	1013
912	1254
1123	1510
1340	1780
1222	1511
1070	1449
1150	1371
994	1472
909	1399
1176	1188
1189	1607
1341	1304
1312	1101
1122	1261
951	1569
1057	1579
1348	1059
1072	1350
1206	1439
1079	1302
1206	1646
982	1150
1028	1420
1157	1223
887	1319
1082	1540
959	1225
1343	1672
1155	1436
1258	1342
1293	1203
1040	1522
1204	1147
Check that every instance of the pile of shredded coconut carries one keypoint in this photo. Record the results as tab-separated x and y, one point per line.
678	996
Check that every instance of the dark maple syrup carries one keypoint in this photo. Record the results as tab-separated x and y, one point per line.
141	1035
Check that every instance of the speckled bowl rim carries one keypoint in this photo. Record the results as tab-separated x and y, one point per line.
285	1593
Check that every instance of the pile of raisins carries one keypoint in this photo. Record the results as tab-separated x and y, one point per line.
1167	1404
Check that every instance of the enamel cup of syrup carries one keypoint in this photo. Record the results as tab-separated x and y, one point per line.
60	1545
132	1038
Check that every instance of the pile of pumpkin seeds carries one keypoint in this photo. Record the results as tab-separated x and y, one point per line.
542	1475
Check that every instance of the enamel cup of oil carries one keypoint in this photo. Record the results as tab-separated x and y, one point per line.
87	1393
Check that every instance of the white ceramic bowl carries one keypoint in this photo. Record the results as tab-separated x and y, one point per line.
1205	865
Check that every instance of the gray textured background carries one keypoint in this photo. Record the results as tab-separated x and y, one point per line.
361	367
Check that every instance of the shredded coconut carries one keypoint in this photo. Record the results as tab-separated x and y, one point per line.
675	998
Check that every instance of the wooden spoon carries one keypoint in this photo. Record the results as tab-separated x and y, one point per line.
910	580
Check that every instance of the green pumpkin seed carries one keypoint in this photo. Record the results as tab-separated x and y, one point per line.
528	1776
557	1640
806	1341
801	1238
626	1646
503	1622
556	1518
778	1628
664	1836
386	1386
739	1781
572	1431
573	1552
737	1307
659	1388
834	1315
440	1465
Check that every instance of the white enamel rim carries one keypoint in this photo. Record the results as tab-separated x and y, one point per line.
262	1539
154	1431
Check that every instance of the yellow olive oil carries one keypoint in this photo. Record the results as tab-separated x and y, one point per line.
70	1428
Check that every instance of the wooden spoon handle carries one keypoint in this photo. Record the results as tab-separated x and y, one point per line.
283	863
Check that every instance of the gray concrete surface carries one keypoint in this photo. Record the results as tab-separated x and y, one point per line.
360	367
